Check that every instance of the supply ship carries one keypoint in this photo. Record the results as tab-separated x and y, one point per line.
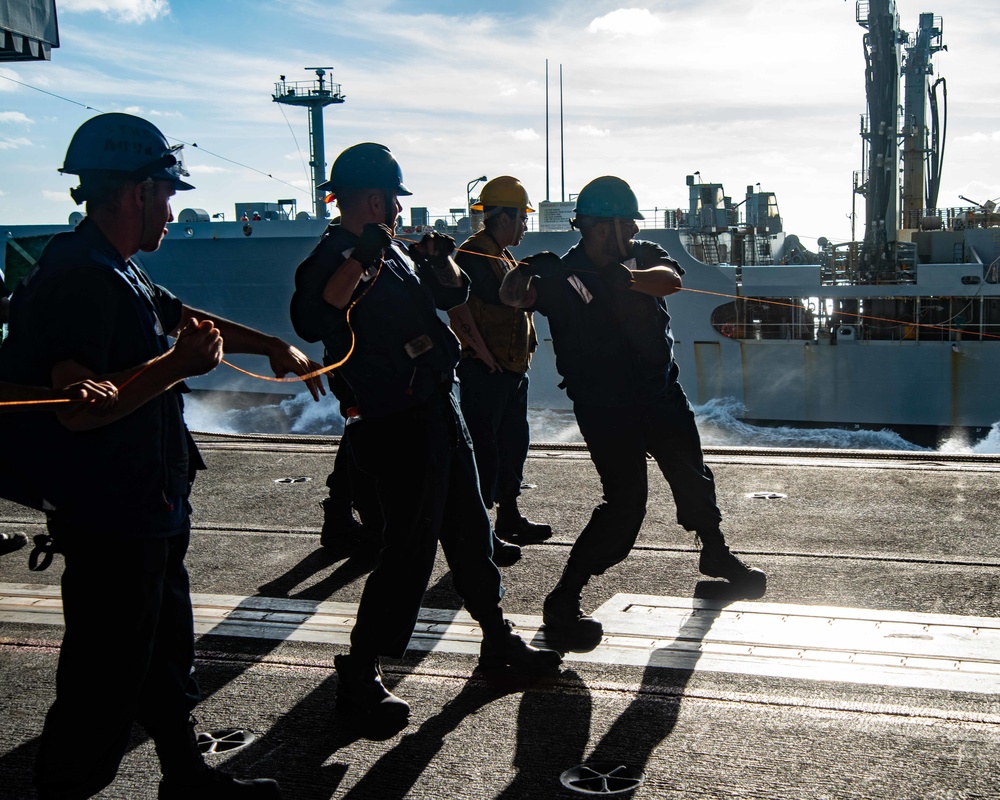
899	330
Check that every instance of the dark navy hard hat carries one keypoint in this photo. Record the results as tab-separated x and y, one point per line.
608	196
365	166
125	145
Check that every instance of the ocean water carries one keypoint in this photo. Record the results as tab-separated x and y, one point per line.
718	422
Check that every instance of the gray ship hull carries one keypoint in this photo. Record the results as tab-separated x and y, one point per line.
904	383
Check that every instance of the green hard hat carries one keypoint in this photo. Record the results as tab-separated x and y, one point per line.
608	196
365	166
126	145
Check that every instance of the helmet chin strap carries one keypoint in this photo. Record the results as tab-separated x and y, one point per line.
620	239
147	189
390	209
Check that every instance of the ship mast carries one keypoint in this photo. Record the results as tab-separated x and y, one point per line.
314	95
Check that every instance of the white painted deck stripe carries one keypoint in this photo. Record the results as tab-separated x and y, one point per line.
815	643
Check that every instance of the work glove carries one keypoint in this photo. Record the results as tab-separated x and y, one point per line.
434	252
375	237
434	246
539	264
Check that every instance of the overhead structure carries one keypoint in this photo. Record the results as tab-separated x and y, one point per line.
879	129
314	95
28	30
922	147
901	167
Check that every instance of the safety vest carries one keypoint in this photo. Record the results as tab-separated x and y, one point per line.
509	333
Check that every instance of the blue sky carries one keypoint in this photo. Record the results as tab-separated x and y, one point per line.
766	91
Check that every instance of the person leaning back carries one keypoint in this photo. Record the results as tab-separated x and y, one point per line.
610	330
117	483
374	303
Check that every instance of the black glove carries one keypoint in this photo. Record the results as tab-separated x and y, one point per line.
442	245
375	237
539	264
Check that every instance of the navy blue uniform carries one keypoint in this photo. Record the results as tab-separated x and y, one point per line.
410	436
614	351
121	511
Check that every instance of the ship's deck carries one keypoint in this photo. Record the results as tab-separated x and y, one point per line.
871	669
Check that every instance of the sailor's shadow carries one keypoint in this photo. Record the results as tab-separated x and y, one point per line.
297	747
553	729
545	751
396	773
363	561
210	681
650	718
300	744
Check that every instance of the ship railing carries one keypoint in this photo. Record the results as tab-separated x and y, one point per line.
956	218
307	89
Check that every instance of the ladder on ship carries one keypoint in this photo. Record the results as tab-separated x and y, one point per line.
711	250
762	250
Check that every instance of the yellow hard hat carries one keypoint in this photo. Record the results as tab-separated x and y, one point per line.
505	192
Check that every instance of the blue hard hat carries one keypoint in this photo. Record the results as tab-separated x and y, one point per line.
126	145
366	166
608	196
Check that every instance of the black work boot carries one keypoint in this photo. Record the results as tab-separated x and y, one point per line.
341	533
512	526
718	561
186	776
564	618
502	648
505	554
362	695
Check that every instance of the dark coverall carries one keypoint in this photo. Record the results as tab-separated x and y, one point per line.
350	488
121	515
495	404
410	436
614	351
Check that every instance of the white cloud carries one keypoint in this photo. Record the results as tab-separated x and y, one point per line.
980	138
137	11
15	117
14	144
628	22
525	135
48	194
9	85
205	169
593	131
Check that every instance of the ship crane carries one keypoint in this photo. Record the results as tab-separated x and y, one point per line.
923	149
314	95
901	170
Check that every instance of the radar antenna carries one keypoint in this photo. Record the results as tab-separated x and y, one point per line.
314	95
